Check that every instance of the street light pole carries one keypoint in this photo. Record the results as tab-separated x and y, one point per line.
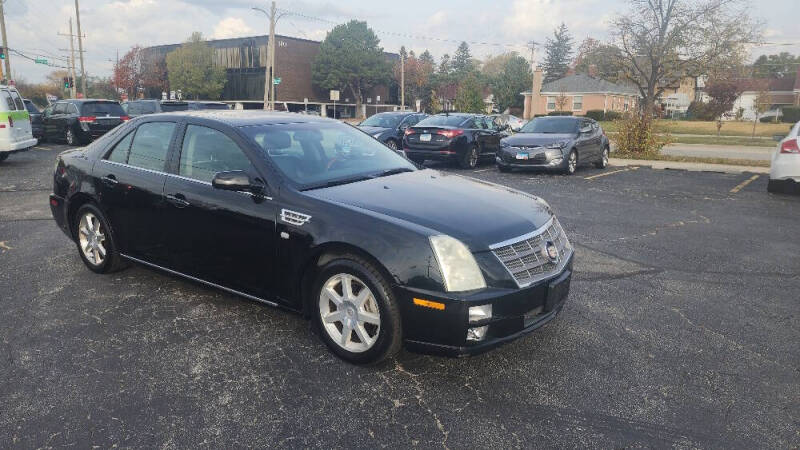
5	41
269	76
80	49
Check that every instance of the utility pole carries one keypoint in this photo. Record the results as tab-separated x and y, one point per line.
5	41
72	57
80	49
269	75
403	81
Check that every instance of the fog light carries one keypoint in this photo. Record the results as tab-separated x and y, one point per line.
479	313
477	333
556	161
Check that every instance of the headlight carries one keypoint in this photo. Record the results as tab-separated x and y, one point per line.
458	266
377	135
558	145
553	154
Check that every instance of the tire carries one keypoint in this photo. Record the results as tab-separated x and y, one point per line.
603	163
504	169
417	160
69	137
470	158
377	317
90	241
392	144
3	156
571	164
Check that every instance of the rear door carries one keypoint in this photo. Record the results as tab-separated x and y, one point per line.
130	183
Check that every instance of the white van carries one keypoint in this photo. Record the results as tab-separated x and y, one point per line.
15	123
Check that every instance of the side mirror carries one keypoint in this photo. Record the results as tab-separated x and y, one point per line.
235	180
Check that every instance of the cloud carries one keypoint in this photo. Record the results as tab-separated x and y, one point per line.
230	27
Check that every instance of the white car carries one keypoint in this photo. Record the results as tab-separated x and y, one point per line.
15	123
784	172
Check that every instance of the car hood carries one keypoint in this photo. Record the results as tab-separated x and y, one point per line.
477	213
532	139
373	130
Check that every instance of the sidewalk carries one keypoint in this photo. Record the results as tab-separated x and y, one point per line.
719	151
694	167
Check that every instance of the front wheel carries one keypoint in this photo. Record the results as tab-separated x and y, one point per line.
95	242
391	144
470	158
356	312
603	162
572	163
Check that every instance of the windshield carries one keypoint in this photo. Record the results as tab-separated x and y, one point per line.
102	109
442	120
170	107
383	120
320	154
551	126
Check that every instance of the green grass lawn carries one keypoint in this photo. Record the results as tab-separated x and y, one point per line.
713	140
744	129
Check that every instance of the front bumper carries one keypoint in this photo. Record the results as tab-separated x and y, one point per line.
515	313
552	165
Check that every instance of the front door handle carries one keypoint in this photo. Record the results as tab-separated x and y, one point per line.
110	180
178	200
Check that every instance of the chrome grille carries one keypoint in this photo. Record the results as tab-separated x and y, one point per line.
525	257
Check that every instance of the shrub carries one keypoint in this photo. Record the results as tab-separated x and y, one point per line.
638	136
699	111
596	114
612	115
768	119
791	114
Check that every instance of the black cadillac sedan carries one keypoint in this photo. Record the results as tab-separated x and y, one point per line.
463	138
555	143
314	216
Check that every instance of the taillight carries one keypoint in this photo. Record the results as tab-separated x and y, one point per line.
450	134
409	131
790	146
10	122
86	119
125	118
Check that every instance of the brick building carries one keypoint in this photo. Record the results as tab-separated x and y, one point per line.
244	63
578	94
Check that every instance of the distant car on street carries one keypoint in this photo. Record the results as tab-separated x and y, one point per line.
135	108
15	123
784	172
459	137
37	124
555	143
388	127
512	121
79	121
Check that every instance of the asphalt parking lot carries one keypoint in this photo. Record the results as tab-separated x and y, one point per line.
681	330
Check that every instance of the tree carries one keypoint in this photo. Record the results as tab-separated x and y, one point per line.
558	54
592	52
445	66
127	72
561	100
191	69
417	76
761	104
426	58
350	58
462	61
663	41
776	66
515	76
723	94
494	65
469	98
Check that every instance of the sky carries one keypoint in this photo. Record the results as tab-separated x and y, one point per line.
490	26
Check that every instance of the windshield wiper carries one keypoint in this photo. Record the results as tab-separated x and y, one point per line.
338	182
394	171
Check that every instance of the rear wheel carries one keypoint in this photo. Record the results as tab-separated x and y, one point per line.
356	313
470	158
603	162
69	136
95	242
391	144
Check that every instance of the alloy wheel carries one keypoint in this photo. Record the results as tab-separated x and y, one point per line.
92	239
349	313
572	164
605	157
391	144
70	137
473	157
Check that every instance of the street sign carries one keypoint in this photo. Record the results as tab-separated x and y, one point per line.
305	100
163	95
377	98
172	95
276	81
334	95
51	98
369	99
40	61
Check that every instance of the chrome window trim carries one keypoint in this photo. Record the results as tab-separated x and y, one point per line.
200	280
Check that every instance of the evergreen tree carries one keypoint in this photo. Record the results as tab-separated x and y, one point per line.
558	54
462	61
426	58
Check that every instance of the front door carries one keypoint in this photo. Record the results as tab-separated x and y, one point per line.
224	237
130	183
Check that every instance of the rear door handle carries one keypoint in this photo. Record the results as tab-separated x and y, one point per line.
110	180
178	200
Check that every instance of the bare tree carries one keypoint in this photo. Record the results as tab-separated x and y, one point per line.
761	104
561	100
664	41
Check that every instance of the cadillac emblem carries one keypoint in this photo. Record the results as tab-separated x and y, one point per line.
550	251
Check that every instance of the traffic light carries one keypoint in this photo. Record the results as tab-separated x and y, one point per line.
68	82
2	53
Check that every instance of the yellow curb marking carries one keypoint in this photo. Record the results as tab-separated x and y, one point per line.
611	173
744	183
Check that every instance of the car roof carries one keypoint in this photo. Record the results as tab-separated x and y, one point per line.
87	100
573	118
241	118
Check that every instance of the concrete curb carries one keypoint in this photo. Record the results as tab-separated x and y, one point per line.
694	167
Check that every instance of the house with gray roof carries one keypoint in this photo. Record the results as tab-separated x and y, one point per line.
578	94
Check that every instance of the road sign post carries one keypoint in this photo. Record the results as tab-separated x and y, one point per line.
334	97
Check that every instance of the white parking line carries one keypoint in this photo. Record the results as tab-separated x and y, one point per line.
610	173
483	170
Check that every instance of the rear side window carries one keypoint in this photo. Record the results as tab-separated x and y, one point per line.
170	107
207	151
20	105
120	152
8	102
31	107
60	108
150	145
102	109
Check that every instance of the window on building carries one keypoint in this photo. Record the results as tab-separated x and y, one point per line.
626	105
577	103
551	103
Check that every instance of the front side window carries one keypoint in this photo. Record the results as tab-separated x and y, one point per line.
577	103
207	151
383	120
551	103
319	154
150	145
